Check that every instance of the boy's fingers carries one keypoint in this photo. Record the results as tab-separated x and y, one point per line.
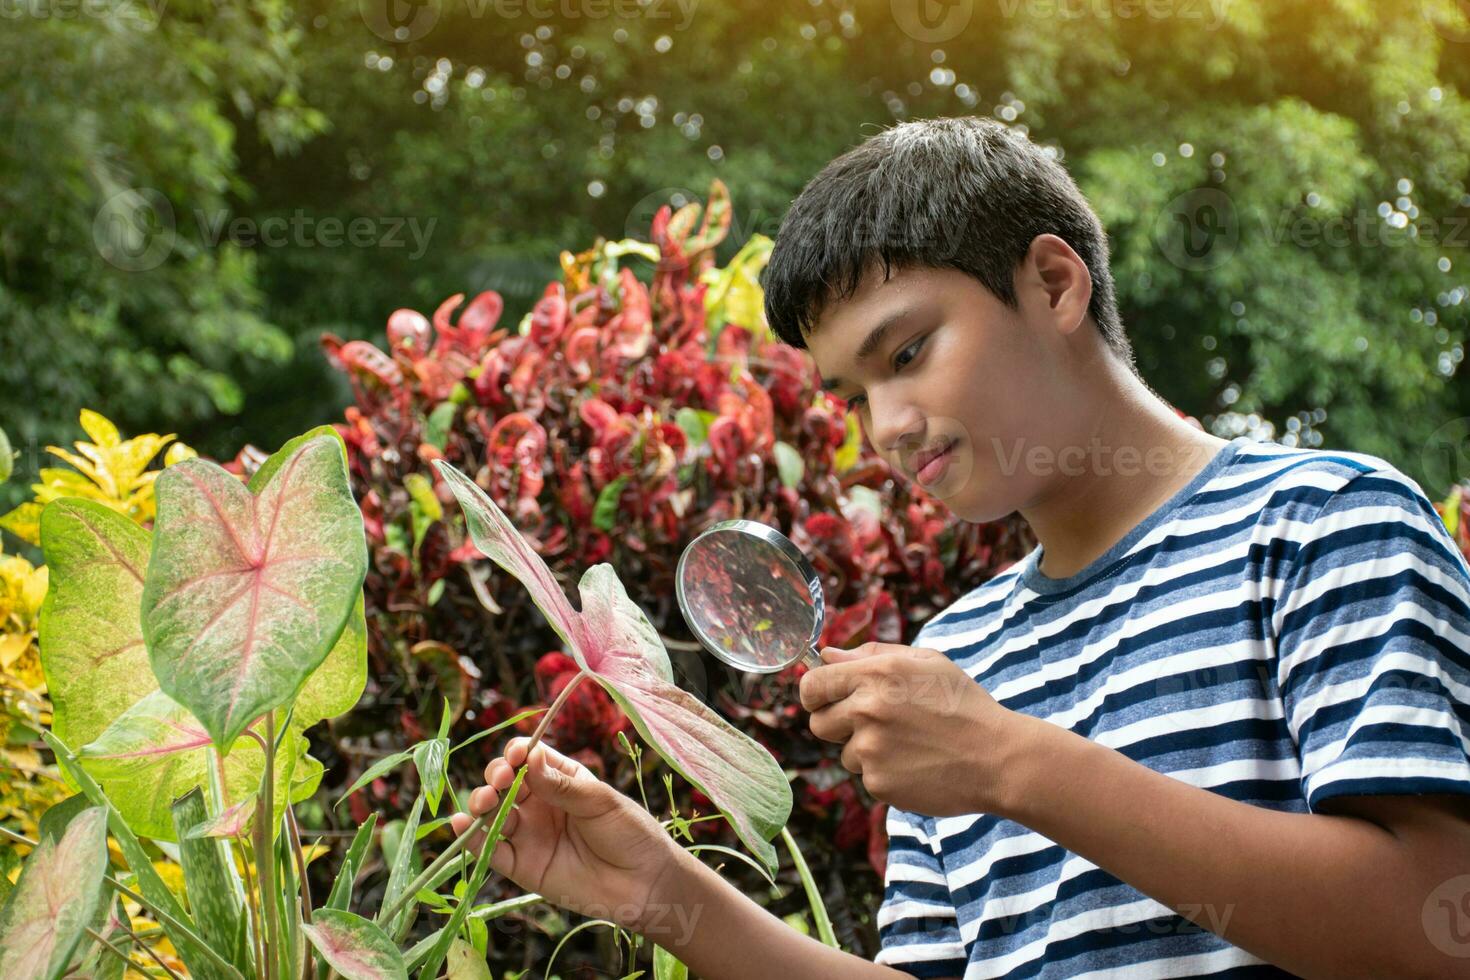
482	799
515	750
552	759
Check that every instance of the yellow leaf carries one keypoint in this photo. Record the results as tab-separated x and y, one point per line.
177	453
24	522
102	431
12	645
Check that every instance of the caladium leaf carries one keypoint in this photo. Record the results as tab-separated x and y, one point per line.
157	751
92	649
235	821
246	594
612	640
48	912
354	947
97	669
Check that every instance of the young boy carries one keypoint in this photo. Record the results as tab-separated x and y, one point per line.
1215	724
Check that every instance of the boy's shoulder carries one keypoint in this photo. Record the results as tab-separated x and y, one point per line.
1290	487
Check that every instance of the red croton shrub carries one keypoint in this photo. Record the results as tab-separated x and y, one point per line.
614	423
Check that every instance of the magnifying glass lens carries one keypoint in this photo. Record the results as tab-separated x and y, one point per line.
746	600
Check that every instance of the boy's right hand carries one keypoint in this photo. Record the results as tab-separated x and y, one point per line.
574	839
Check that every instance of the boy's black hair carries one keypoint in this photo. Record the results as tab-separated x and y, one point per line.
965	193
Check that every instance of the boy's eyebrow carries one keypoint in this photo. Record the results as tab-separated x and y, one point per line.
870	344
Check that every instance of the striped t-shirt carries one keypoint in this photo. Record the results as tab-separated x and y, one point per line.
1292	625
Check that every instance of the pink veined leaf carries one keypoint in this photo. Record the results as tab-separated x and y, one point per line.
612	640
246	594
154	727
354	947
55	900
235	821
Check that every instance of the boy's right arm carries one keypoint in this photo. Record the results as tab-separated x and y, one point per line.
585	846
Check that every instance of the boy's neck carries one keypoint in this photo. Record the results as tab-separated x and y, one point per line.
1084	514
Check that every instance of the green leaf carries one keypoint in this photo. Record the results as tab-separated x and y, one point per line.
9	861
477	877
100	963
382	767
246	595
355	947
91	642
789	464
605	511
666	966
53	823
439	424
429	757
341	896
54	902
401	871
813	894
98	671
157	751
466	963
176	922
7	458
693	425
213	899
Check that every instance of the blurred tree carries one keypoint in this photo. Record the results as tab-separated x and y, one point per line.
1284	183
118	158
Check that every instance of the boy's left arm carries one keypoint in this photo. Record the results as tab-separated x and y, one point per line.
1374	888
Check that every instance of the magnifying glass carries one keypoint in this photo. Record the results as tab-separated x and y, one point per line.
751	597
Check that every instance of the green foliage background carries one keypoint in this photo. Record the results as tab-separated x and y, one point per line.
507	130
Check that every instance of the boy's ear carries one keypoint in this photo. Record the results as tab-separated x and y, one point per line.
1061	277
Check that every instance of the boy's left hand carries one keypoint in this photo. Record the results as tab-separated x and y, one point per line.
923	735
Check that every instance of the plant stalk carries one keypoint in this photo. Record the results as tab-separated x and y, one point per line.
252	908
306	970
480	822
265	862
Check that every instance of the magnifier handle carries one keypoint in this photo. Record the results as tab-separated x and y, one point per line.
811	658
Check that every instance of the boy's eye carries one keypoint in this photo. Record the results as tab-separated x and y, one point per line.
855	403
911	347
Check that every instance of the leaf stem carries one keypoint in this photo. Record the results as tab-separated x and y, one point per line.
265	862
479	822
152	953
306	970
252	907
108	945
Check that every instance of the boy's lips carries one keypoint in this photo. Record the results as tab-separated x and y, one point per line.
924	456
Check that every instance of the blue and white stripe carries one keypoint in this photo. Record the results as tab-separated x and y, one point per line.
1292	625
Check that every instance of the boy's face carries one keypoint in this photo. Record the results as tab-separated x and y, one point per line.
957	365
